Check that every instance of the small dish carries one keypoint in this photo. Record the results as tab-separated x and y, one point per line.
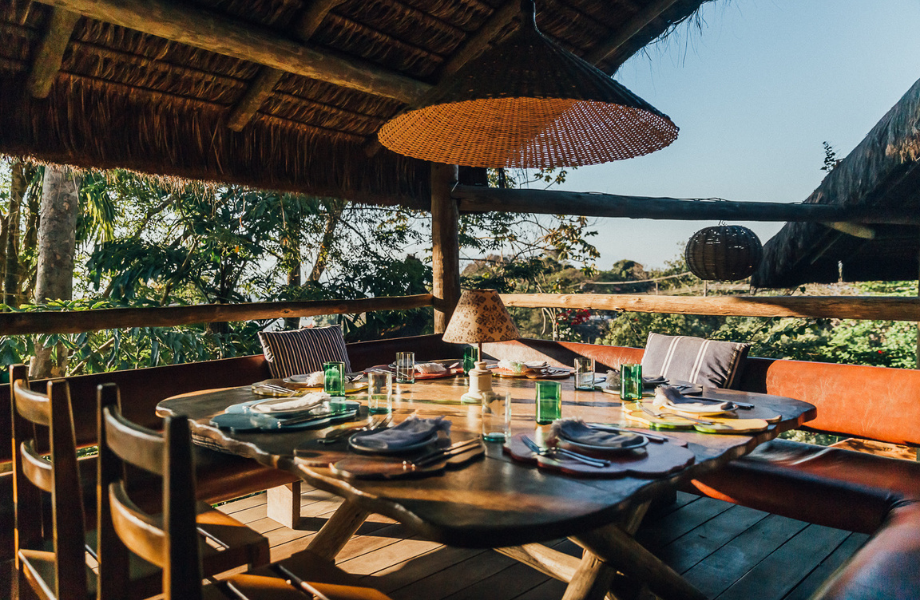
354	442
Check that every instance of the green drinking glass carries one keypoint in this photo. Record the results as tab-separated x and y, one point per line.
549	402
334	378
630	382
470	356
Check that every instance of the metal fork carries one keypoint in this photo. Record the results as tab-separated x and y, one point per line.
660	414
591	462
335	436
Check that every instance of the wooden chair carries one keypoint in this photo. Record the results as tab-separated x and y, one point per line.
54	565
169	540
52	538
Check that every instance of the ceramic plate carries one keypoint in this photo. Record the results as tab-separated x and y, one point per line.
637	441
355	443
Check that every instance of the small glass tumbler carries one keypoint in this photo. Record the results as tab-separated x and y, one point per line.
470	356
379	392
630	382
496	416
405	367
584	373
549	402
334	378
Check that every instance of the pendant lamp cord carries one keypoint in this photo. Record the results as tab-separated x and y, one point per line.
529	13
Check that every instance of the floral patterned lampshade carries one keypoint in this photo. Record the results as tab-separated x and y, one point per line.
480	317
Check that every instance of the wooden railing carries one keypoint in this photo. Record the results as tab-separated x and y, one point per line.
818	307
22	323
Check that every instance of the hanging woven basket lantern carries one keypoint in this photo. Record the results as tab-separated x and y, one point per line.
528	103
724	253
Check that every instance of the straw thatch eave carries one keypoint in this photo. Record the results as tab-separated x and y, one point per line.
883	171
89	93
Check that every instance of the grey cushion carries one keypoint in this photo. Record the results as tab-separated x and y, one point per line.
303	351
706	362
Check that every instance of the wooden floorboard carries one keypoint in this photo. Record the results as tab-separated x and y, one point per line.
730	552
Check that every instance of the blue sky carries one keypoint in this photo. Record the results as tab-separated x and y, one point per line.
755	93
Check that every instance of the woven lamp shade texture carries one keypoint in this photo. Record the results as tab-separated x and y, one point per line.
480	317
528	103
724	253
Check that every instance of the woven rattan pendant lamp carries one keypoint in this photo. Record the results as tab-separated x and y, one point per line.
528	103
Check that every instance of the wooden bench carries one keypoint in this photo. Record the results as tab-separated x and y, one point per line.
220	476
832	486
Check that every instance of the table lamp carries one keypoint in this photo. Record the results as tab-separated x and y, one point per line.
480	317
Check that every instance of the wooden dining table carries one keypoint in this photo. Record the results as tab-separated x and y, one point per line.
496	501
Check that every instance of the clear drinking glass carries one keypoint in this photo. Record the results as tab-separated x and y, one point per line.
379	392
584	373
496	416
405	367
334	378
549	401
630	382
470	356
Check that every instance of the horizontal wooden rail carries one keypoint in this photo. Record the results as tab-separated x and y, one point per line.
818	307
560	202
168	316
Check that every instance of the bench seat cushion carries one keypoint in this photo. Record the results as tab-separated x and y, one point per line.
886	568
828	486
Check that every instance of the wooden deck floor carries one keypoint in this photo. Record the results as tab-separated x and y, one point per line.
728	551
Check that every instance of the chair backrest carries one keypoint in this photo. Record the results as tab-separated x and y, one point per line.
59	476
168	540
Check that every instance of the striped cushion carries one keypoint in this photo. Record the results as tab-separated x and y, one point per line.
303	351
708	363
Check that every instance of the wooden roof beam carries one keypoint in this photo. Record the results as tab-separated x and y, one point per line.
50	52
553	202
265	82
625	32
214	33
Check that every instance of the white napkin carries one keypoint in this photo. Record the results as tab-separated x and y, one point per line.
411	431
511	365
670	397
429	368
577	431
300	403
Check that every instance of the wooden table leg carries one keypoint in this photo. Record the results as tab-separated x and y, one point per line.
283	504
333	536
591	581
614	546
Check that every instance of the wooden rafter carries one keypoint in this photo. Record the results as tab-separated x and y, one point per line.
268	77
552	202
50	52
626	31
215	33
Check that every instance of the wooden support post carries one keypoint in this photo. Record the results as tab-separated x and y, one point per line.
50	52
284	504
445	239
338	530
591	581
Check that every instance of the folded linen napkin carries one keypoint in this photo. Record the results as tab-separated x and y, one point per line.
668	396
411	431
511	365
304	402
653	380
575	430
311	379
430	368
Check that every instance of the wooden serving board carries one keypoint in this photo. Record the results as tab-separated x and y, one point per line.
350	388
357	466
713	424
421	376
653	460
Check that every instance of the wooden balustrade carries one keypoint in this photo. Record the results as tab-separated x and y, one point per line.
819	307
22	323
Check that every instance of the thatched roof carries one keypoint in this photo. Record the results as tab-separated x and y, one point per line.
883	171
161	102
